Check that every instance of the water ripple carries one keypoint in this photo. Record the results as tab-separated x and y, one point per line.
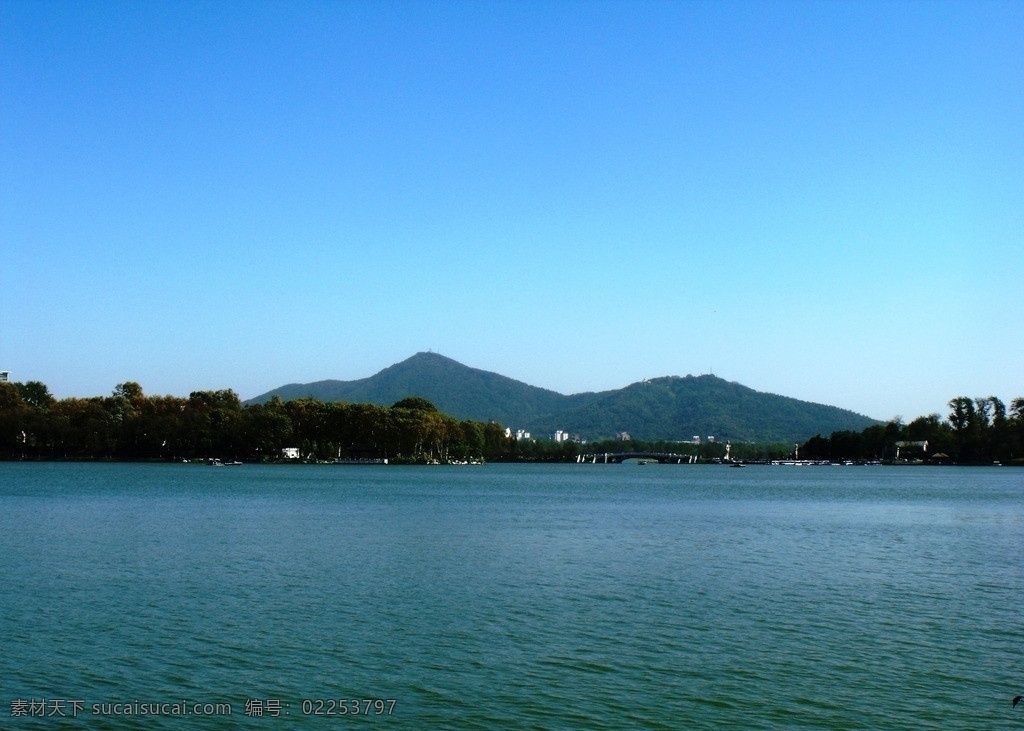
533	598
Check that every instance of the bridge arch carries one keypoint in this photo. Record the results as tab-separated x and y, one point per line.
620	457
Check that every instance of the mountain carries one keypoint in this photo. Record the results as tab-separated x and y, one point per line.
455	389
670	408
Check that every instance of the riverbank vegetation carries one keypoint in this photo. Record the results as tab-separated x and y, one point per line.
976	431
128	425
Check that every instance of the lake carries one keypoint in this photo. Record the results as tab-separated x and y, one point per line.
181	596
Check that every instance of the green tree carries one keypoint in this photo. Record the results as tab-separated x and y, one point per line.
963	418
961	414
161	427
414	403
35	394
124	406
213	421
130	391
817	447
1016	429
267	429
496	445
1000	437
847	445
309	422
14	421
84	429
472	440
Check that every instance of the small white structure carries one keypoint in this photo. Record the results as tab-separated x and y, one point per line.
923	446
290	453
5	376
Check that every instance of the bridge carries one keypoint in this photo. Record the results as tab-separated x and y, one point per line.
620	457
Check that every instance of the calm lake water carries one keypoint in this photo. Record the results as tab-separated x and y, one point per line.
512	597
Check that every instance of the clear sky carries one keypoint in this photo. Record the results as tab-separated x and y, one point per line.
823	200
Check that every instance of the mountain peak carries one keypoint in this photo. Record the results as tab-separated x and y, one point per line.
427	355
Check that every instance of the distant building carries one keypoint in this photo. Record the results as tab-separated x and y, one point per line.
623	436
5	376
290	452
696	438
923	446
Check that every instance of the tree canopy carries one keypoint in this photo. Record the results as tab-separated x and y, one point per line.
214	424
978	430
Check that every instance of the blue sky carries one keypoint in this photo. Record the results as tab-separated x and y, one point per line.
823	200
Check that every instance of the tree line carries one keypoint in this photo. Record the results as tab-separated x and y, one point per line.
976	431
128	425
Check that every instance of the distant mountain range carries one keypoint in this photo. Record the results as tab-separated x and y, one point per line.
670	408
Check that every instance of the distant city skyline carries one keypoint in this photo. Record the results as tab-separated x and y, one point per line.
817	200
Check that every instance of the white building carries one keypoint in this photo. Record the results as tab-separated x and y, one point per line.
290	452
5	376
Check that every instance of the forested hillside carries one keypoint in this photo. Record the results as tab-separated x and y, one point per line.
670	408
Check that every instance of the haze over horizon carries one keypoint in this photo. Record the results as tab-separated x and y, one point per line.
818	200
